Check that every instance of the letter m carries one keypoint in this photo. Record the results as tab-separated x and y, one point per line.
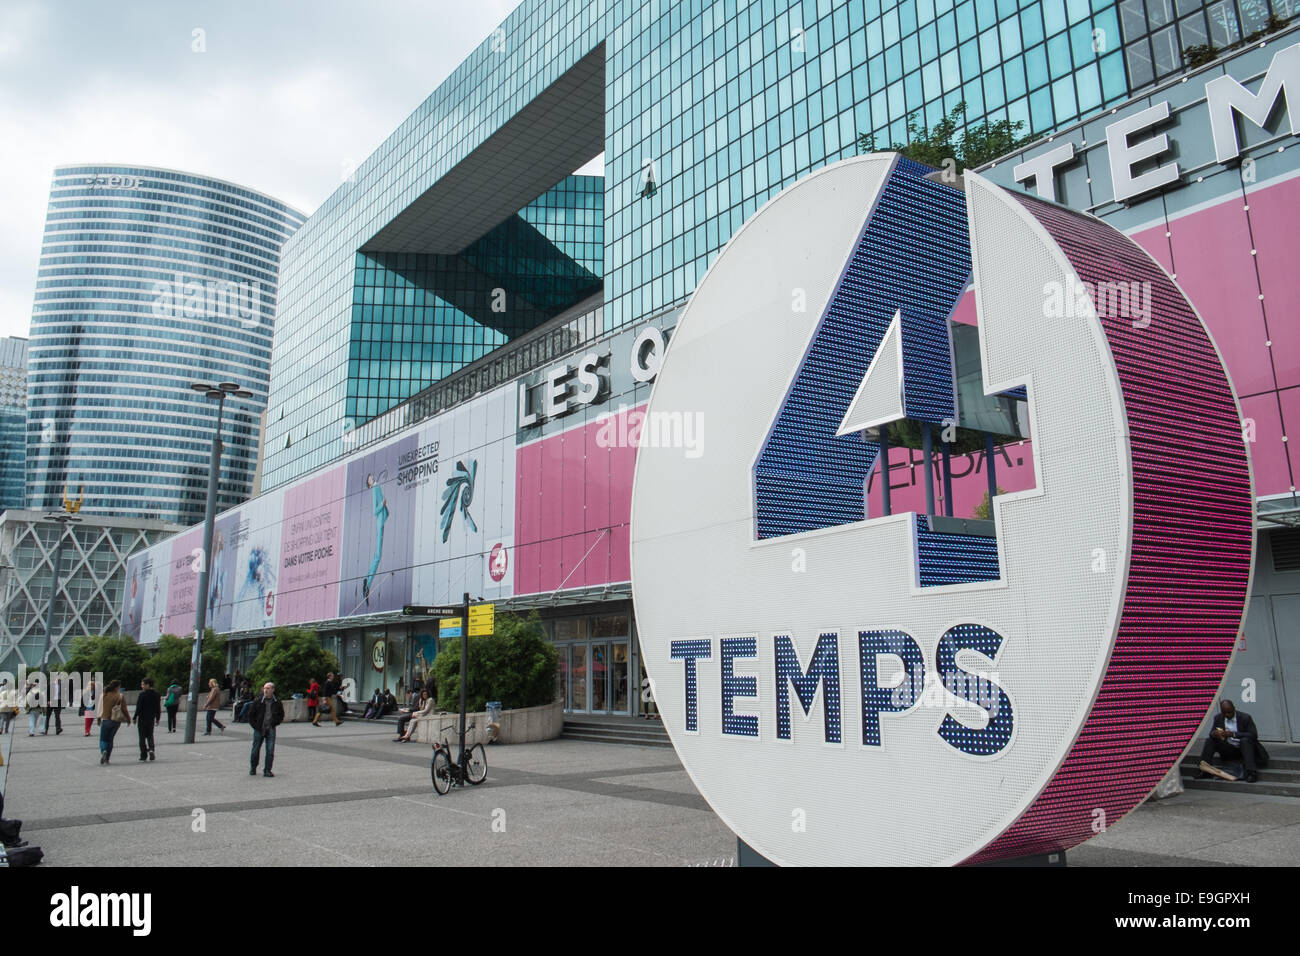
1225	98
824	669
114	909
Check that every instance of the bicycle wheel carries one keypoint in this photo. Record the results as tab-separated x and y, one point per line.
476	766
440	769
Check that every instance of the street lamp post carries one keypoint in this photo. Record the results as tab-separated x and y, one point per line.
63	519
220	392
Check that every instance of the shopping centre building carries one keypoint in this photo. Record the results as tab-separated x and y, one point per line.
467	332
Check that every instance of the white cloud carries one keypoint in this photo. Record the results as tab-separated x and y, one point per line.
287	99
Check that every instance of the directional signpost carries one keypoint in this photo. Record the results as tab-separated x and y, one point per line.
482	620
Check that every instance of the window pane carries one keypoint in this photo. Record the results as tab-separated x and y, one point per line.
1159	12
1138	56
1191	30
1165	52
1222	18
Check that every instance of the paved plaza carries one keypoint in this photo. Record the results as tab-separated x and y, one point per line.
348	796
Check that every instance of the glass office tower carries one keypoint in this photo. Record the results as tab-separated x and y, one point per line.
149	280
13	421
703	111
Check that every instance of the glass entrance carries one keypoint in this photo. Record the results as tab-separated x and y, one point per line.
577	677
593	677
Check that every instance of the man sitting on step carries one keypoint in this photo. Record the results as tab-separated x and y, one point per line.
1234	738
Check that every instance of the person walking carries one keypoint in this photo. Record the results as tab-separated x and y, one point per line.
267	713
212	705
313	699
8	705
32	695
173	704
54	705
113	713
330	694
89	701
148	711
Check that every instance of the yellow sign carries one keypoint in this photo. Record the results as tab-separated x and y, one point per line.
449	627
482	620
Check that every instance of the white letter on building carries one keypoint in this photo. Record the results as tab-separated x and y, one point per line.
1123	157
1042	169
1225	97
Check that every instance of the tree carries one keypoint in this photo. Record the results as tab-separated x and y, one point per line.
117	658
974	146
170	662
290	659
984	510
515	665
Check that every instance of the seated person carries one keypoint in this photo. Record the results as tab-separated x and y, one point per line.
406	723
390	702
375	706
1234	738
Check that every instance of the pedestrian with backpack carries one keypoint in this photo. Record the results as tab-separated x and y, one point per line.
113	713
173	704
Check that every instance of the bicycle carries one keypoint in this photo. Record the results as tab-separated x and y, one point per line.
446	773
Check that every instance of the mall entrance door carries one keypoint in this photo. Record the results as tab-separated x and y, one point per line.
594	677
595	663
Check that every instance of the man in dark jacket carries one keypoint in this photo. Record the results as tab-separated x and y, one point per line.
148	711
1233	737
266	714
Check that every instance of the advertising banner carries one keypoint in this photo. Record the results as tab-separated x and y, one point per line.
379	515
222	579
464	540
256	542
311	538
186	551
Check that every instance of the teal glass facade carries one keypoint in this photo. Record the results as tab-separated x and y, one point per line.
704	111
149	280
417	318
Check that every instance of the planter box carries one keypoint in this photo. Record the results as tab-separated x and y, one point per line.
523	726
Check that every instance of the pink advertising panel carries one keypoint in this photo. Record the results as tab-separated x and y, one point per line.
574	493
311	536
183	582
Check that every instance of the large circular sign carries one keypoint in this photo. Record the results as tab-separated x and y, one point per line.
848	687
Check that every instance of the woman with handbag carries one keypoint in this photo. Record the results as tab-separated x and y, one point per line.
212	705
113	714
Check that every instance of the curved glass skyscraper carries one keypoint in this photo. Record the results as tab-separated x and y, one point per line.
150	280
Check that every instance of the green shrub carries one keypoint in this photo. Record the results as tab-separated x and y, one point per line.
170	662
290	659
515	665
117	658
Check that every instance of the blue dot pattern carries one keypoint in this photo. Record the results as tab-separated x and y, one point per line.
981	691
688	651
824	668
740	725
805	476
877	700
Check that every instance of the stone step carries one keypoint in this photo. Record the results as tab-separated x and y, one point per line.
616	734
662	741
616	730
1260	787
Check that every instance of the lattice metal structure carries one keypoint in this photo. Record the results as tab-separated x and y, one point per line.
91	579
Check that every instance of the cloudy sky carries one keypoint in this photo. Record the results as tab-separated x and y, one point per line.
288	96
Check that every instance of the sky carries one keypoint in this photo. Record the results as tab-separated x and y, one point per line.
287	96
